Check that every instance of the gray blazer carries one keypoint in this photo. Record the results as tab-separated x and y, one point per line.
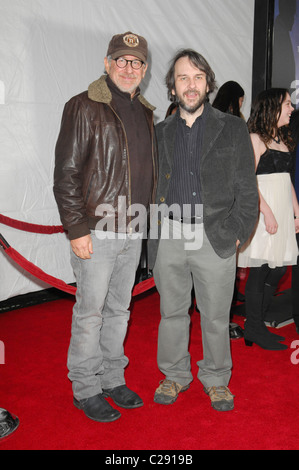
227	178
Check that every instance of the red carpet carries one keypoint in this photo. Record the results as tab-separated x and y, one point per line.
34	386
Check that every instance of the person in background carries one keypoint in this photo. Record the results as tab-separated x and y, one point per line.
294	126
206	177
273	245
229	98
171	109
105	164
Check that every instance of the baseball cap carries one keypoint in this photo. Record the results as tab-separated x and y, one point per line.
128	44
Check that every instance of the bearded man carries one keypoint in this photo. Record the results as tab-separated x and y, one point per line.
207	182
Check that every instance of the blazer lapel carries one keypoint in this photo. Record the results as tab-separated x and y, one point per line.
213	128
169	138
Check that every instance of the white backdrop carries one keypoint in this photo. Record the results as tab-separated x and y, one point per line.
51	50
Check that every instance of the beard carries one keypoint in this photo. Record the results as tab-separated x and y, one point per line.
191	109
127	88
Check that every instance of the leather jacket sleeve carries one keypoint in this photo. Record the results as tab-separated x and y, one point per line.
71	154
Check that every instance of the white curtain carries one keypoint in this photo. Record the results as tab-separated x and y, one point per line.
51	50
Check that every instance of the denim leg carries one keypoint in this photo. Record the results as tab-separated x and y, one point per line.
93	276
116	314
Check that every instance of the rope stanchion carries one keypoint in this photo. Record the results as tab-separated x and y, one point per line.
53	281
143	286
34	270
33	228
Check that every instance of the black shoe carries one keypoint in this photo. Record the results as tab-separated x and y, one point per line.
276	337
255	330
123	397
97	409
8	423
262	340
274	346
235	331
269	292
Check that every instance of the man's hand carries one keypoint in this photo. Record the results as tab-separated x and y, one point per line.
82	247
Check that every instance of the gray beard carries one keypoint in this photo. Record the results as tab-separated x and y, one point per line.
191	109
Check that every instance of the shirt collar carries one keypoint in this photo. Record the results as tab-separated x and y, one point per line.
198	120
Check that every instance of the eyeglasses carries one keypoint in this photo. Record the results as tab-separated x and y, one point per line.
122	63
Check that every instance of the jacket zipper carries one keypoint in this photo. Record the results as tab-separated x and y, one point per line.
154	163
126	153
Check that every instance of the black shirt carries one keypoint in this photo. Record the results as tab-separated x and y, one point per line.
131	112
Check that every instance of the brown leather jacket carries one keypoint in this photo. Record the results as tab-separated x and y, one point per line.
92	164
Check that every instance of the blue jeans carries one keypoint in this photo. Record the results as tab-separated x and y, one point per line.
96	358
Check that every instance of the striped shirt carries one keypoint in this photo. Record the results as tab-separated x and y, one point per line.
184	187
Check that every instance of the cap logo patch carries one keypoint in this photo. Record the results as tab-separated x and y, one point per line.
131	40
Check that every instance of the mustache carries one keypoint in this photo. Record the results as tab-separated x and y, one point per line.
126	74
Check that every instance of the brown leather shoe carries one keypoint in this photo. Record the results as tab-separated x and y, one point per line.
168	391
221	398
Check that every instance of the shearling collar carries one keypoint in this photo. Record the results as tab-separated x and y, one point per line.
99	91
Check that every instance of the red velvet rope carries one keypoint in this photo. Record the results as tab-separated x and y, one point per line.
33	228
53	281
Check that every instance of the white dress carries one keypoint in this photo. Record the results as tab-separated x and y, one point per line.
274	182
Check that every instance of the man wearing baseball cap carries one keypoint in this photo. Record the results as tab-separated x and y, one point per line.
105	162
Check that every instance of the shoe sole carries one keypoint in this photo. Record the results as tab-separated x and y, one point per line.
276	346
79	407
223	406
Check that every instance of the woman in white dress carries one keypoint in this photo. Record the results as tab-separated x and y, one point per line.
273	245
